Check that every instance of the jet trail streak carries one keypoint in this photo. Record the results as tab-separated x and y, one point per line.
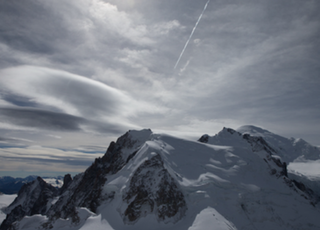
194	28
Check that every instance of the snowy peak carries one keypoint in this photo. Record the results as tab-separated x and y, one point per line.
253	130
133	138
125	148
121	151
308	151
32	194
236	179
226	137
231	137
33	198
288	150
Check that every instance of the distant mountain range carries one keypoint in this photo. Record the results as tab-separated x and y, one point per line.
234	180
11	185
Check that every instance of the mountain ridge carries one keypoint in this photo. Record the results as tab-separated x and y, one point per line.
236	179
12	185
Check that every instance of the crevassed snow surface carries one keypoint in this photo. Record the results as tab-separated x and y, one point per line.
5	201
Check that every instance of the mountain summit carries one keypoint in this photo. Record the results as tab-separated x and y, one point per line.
236	179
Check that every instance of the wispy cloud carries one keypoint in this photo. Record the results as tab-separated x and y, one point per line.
79	68
37	159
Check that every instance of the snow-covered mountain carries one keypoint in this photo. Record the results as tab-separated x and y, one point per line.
237	179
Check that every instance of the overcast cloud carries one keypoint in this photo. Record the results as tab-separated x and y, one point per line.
76	74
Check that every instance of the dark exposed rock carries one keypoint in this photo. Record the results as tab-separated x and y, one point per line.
284	169
88	190
16	214
85	190
258	144
303	190
232	131
204	138
153	190
66	182
32	199
131	156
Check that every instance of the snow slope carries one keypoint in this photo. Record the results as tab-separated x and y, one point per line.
208	218
233	180
293	149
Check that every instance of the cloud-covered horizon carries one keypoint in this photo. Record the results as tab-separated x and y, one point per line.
89	70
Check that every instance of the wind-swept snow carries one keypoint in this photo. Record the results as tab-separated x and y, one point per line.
288	149
234	180
96	223
209	218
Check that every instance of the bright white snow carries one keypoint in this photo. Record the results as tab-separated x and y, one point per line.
209	218
54	182
225	183
95	223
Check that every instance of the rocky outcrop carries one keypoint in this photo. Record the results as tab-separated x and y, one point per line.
204	138
145	175
84	190
277	166
33	198
258	144
153	190
67	180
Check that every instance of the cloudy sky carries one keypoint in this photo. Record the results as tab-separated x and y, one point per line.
77	74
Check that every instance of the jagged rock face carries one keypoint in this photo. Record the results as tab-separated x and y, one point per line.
83	192
276	165
87	191
153	190
119	153
204	138
32	199
151	178
258	144
67	180
86	188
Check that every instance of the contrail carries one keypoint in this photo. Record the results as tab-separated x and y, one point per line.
194	28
